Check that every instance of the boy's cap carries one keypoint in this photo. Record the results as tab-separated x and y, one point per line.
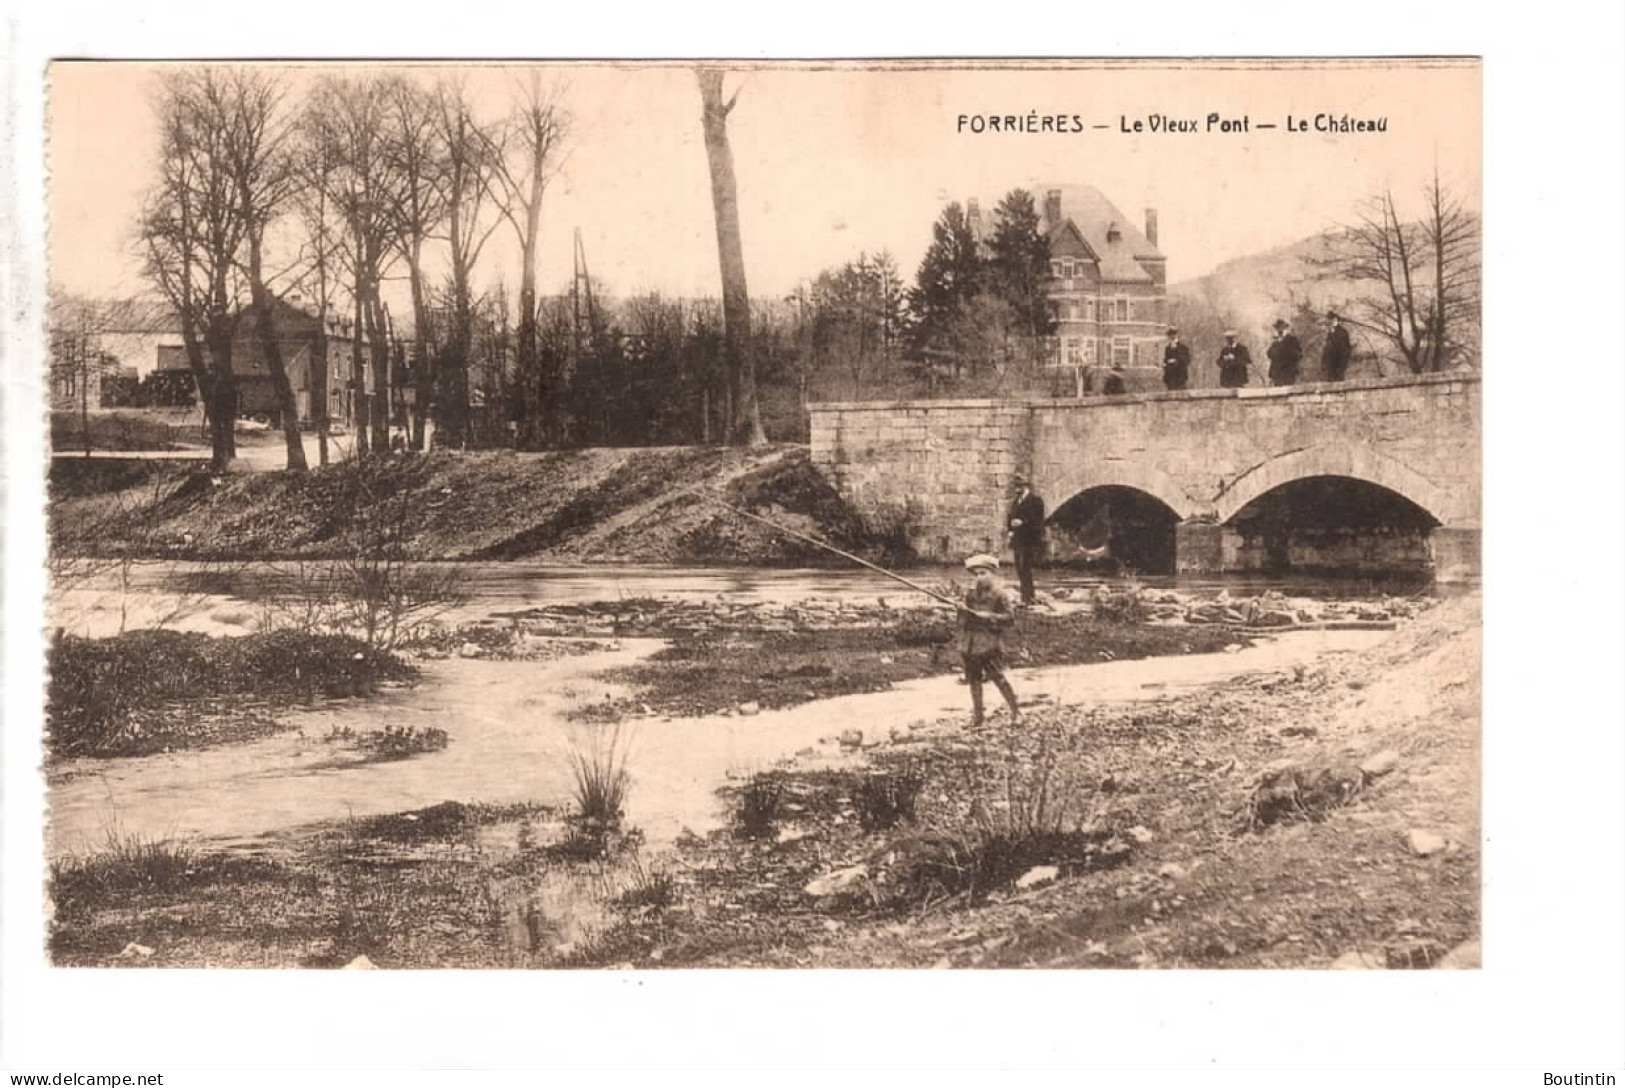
982	562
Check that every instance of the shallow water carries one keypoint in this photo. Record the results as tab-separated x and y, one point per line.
510	741
227	598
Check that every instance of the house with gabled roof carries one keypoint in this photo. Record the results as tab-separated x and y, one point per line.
1110	285
297	325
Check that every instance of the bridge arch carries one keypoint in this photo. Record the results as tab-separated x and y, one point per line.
1130	474
1352	461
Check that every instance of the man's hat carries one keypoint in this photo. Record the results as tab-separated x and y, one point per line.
1334	315
1020	478
982	562
1231	334
1172	331
1281	324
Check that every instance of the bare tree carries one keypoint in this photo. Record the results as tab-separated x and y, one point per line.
1416	283
416	158
225	174
745	422
258	145
465	184
533	141
190	233
349	115
317	161
1453	238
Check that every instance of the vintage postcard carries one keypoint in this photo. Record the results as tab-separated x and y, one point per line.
783	514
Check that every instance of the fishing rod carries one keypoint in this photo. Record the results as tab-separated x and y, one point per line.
815	542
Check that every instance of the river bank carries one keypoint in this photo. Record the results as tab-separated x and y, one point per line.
468	863
640	505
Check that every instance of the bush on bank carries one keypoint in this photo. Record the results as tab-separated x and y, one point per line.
109	696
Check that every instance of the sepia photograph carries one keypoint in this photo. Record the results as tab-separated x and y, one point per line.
914	514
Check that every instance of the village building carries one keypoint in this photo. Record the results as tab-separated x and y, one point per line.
1110	286
1111	281
95	341
297	328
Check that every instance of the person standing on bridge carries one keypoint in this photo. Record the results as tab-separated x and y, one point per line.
983	619
1176	362
1285	353
1234	361
1025	526
1334	357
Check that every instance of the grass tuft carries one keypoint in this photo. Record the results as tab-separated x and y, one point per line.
758	808
888	798
598	765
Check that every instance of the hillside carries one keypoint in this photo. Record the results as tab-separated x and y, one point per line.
623	505
1257	287
1249	293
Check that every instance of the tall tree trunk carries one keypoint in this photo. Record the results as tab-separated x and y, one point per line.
378	334
745	418
358	373
222	394
319	382
528	364
423	365
451	400
84	393
265	337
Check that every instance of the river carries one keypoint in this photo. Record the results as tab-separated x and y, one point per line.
509	721
224	598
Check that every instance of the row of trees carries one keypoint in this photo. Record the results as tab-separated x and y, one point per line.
360	180
259	196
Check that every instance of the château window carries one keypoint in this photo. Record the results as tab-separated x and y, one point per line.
1120	350
1122	308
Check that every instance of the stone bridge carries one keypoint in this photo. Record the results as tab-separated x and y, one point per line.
1374	475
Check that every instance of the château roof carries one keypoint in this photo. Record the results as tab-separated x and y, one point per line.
1097	219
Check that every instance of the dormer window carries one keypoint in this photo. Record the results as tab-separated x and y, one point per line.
1113	233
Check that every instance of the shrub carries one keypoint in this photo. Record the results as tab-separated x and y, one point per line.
1123	606
127	864
758	807
887	798
392	741
104	692
652	888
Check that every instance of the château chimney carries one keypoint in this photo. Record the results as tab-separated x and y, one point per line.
1151	225
1052	209
973	217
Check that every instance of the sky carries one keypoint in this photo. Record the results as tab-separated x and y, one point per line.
834	160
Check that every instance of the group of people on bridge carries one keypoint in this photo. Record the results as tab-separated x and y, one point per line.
1285	355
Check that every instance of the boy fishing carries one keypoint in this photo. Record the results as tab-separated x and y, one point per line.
986	614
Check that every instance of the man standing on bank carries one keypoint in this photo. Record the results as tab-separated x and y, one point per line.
1234	360
1025	524
983	619
1334	357
1176	362
1285	354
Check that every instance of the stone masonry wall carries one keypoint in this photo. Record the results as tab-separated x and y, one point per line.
944	467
